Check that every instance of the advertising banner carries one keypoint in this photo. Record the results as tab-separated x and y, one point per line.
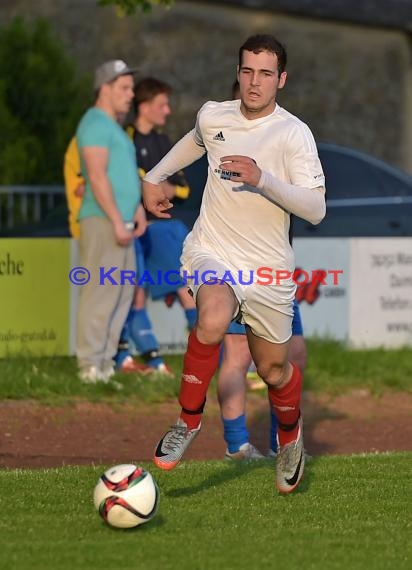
322	274
354	290
34	296
381	286
169	325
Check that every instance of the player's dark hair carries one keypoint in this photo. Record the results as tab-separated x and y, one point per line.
265	42
147	89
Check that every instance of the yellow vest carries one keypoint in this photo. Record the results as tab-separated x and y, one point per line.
72	180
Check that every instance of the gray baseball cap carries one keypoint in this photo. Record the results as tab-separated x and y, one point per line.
110	71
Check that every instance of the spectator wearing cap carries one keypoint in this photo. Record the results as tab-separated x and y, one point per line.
111	215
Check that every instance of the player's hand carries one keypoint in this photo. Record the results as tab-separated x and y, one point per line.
244	169
168	189
123	235
155	200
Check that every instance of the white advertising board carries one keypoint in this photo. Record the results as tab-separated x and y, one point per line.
381	292
323	301
169	325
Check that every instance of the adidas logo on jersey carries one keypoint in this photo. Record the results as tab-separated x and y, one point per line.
219	137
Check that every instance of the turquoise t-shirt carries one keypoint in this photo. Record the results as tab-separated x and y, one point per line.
97	128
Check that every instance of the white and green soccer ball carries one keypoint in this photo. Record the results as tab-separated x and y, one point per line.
126	496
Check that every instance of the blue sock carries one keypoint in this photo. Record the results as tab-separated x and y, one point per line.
273	432
191	317
123	347
235	433
154	362
141	333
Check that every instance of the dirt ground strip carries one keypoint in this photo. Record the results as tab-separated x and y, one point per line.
34	435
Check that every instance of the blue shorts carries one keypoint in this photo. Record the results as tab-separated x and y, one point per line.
158	252
297	328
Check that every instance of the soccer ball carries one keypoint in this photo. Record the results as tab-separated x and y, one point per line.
126	496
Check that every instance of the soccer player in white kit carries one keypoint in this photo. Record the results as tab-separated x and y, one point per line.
263	166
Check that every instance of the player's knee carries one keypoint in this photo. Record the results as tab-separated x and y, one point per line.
210	329
273	373
212	322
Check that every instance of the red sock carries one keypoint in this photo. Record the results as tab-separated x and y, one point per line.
286	406
199	364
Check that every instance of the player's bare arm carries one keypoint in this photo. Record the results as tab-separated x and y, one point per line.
96	160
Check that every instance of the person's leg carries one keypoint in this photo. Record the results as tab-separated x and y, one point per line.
125	262
141	330
284	387
297	355
232	375
273	367
124	361
140	326
91	333
269	329
216	305
231	389
99	302
298	352
123	353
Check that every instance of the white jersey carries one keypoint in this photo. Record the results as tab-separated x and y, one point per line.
237	223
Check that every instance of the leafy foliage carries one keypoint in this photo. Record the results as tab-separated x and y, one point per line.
130	6
41	101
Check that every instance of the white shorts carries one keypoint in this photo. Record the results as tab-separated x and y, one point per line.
266	309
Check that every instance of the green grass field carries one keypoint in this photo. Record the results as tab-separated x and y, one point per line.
349	513
331	368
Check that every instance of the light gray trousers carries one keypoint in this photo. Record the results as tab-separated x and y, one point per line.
103	308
